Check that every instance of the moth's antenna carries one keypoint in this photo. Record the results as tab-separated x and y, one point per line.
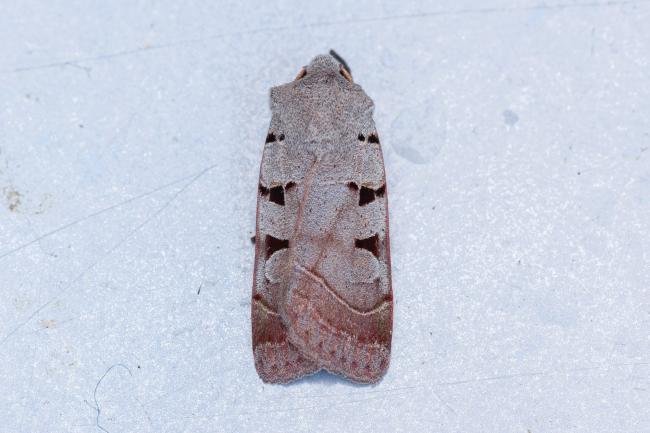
341	61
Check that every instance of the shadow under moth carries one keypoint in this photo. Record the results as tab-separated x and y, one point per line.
322	296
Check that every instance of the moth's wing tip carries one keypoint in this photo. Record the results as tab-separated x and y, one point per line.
369	376
277	370
357	347
285	379
276	360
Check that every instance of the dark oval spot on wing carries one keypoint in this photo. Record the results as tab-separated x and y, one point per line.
281	137
276	195
371	244
274	244
289	186
366	195
262	189
353	186
361	137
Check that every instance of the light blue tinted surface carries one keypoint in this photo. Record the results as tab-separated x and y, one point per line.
517	143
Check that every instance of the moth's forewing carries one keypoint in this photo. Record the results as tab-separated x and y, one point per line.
322	295
276	360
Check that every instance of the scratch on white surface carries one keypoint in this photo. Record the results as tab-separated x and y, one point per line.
101	211
442	13
86	69
99	382
109	252
444	402
409	391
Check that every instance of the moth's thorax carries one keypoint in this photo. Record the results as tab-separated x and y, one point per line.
323	105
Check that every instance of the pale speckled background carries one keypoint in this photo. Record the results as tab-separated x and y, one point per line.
517	144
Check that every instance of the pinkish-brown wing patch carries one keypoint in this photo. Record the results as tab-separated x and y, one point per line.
347	341
339	306
276	360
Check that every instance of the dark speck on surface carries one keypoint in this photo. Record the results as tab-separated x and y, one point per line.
510	117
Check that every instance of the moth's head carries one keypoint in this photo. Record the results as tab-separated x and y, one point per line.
326	65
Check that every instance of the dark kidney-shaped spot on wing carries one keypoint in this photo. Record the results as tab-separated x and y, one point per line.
276	195
353	186
366	195
274	244
371	244
373	138
361	137
289	185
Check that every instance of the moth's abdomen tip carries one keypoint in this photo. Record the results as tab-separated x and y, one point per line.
281	363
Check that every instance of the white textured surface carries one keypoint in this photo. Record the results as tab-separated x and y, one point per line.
516	137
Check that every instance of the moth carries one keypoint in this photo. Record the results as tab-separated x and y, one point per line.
322	295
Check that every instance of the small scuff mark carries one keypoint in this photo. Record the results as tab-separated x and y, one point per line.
592	49
22	304
510	118
30	97
12	197
45	204
18	202
48	323
425	129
